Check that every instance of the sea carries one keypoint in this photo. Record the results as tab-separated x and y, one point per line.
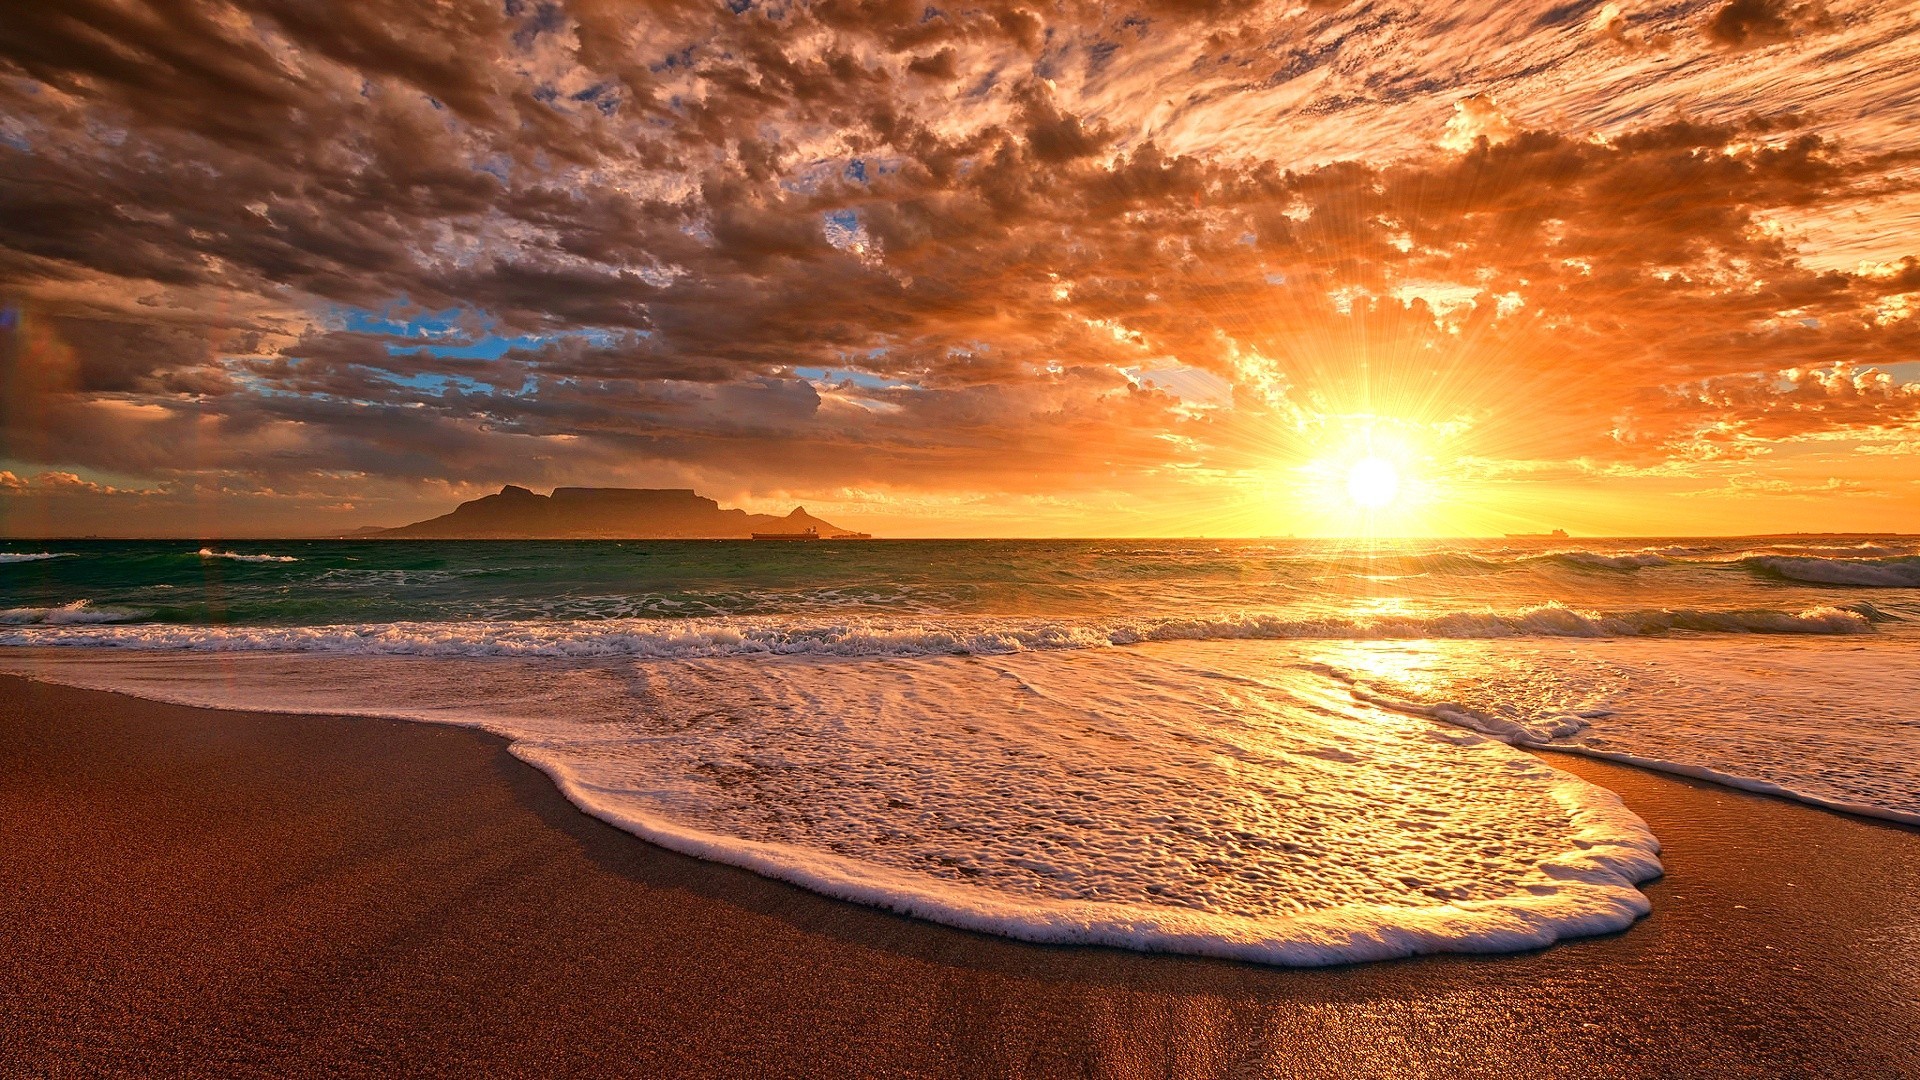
1296	752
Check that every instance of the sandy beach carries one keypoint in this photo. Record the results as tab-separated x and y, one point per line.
600	538
188	891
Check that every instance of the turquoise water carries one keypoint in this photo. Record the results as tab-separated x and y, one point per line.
316	583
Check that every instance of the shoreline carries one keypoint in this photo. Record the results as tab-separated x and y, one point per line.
1726	780
195	889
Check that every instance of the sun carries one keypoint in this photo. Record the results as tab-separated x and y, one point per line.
1372	482
1377	478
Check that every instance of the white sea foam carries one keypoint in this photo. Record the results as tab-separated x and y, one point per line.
1828	724
209	553
698	638
79	613
32	556
1144	798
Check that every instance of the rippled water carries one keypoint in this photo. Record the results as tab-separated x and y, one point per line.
1299	752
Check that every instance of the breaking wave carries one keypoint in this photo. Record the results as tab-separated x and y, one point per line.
1863	550
209	553
24	556
1600	560
78	613
1887	573
701	638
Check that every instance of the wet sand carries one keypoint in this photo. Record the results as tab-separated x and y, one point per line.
217	893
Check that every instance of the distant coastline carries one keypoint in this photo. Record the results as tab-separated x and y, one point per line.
381	532
516	513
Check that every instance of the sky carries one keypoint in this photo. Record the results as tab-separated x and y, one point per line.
1014	268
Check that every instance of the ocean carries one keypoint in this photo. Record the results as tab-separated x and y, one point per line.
1296	752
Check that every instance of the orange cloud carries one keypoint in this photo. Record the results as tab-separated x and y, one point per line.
846	248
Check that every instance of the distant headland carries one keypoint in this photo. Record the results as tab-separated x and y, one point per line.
572	513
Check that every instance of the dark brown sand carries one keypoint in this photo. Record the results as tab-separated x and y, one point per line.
188	891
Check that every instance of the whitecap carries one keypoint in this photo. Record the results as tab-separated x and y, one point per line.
1633	560
209	553
75	614
698	638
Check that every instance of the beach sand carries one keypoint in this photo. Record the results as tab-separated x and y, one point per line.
192	891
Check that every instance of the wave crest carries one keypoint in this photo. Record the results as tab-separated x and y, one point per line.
1862	550
1633	560
78	613
1895	573
701	638
209	553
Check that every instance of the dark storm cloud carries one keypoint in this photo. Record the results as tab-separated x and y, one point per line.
989	214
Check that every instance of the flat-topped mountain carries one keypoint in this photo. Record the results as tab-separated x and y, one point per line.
605	514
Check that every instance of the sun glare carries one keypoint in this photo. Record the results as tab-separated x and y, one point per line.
1373	482
1371	476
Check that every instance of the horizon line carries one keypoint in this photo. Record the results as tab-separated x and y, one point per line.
340	538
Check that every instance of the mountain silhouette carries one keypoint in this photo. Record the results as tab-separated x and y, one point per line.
604	513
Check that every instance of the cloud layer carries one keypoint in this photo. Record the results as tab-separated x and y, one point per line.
263	266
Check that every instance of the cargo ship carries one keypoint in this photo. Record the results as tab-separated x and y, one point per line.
810	534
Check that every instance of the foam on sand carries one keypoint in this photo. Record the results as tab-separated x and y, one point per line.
1830	725
1142	798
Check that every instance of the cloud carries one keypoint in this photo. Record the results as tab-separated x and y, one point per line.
1612	24
1476	118
1747	23
62	483
419	249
